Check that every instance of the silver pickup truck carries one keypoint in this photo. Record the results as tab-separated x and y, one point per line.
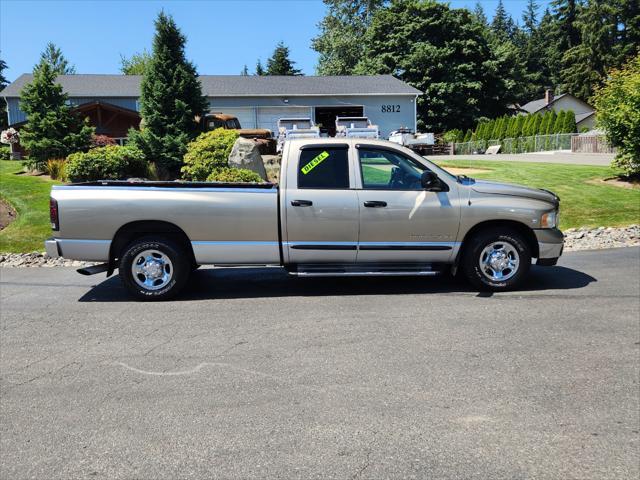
343	207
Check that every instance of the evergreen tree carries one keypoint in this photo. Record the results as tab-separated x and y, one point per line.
259	69
135	65
4	120
52	130
170	100
530	17
550	123
54	57
280	64
245	71
502	24
536	127
340	43
479	15
569	122
558	125
519	126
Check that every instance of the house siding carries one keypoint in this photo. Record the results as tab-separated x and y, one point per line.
372	106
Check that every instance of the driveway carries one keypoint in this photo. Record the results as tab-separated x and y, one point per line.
253	374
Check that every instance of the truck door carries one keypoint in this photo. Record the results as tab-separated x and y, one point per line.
320	205
399	220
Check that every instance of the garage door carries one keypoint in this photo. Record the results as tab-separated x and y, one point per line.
246	115
268	116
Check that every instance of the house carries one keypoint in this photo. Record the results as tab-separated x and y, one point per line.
585	114
112	101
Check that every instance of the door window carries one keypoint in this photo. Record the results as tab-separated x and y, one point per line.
387	170
324	168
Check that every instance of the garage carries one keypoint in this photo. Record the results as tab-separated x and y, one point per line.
246	115
268	116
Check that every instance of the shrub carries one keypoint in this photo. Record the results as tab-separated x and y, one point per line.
102	141
208	152
56	168
5	152
112	162
617	105
232	175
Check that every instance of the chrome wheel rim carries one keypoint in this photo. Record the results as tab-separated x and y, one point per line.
152	269
499	261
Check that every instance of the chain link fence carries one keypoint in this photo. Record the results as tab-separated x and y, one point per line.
537	143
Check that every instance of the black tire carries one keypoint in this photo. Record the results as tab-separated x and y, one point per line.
175	272
511	241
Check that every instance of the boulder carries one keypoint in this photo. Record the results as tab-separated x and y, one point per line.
245	154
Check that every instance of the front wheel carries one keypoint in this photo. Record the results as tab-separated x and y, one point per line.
154	268
496	260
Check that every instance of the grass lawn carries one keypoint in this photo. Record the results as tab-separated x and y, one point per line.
30	197
582	204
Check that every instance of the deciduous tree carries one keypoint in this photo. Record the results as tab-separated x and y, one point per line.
136	64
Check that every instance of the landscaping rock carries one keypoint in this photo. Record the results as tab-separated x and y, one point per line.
246	154
601	237
38	259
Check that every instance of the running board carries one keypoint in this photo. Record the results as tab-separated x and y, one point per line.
366	274
366	270
92	270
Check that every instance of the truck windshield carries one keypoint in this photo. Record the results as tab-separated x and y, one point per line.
233	124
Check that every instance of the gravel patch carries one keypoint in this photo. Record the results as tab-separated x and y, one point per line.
575	239
38	259
601	237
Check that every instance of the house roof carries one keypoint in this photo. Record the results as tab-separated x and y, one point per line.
580	117
535	105
83	85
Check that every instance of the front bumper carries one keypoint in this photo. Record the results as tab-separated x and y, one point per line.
550	245
51	247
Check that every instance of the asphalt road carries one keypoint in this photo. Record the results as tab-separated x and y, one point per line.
253	374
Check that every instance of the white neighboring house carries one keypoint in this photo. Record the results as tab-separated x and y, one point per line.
585	113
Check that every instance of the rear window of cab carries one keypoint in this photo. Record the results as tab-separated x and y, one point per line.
324	168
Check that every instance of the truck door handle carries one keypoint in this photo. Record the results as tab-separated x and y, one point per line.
301	203
375	204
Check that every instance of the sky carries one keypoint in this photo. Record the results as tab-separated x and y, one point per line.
222	35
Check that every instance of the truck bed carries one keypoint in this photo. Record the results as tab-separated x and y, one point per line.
227	223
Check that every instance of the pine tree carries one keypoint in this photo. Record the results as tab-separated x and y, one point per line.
54	57
170	100
502	23
479	15
530	17
259	69
52	130
280	64
245	71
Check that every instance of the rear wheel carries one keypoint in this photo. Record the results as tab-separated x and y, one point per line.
154	268
496	259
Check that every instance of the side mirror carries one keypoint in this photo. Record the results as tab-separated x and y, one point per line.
430	181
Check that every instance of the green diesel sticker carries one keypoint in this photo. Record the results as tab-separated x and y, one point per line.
315	162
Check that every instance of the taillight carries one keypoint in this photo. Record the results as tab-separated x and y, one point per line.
53	214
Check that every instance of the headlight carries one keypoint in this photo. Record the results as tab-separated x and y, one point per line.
549	220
